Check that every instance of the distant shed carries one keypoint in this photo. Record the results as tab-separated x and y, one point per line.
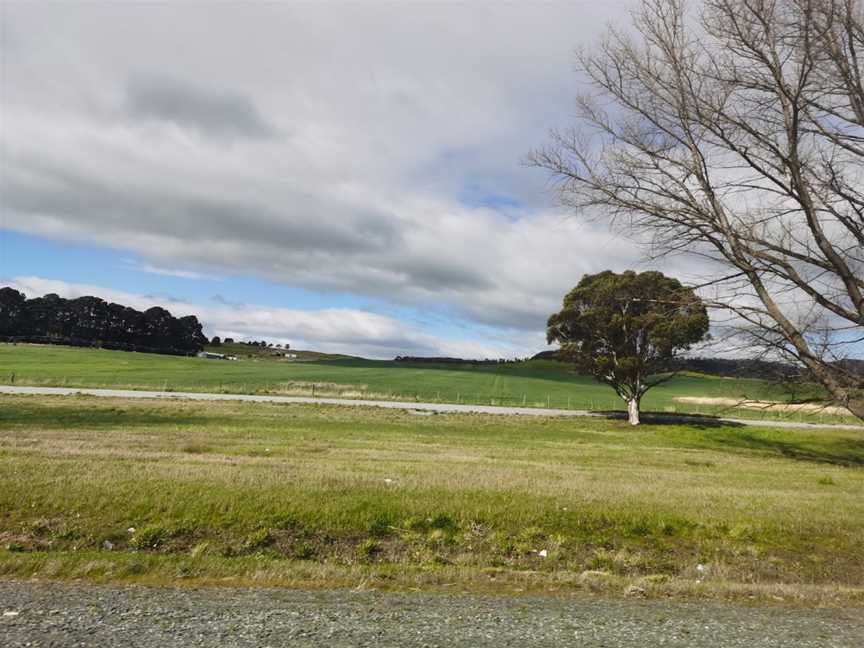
212	356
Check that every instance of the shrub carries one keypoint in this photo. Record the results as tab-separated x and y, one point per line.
367	551
303	551
257	540
150	537
442	521
380	527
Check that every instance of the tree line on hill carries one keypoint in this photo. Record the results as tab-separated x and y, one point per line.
726	367
454	361
732	367
91	321
218	341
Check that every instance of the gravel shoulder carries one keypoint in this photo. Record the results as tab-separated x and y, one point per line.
62	615
429	408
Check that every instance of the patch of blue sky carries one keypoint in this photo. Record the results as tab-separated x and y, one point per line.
121	270
448	325
28	255
477	196
440	319
850	344
480	181
252	290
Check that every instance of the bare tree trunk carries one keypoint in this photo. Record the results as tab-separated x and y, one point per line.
856	406
633	411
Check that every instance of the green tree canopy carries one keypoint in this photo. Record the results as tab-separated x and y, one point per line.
624	329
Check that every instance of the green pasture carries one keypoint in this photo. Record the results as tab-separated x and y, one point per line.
537	383
154	491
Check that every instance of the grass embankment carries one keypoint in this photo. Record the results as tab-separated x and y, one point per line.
535	383
242	493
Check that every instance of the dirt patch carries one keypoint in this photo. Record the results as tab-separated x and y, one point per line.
771	406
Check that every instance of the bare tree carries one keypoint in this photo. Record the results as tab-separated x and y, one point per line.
737	134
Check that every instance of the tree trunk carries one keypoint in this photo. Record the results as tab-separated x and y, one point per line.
633	411
856	406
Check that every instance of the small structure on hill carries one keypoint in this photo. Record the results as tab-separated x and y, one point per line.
212	356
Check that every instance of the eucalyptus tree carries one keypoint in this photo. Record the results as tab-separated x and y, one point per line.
625	330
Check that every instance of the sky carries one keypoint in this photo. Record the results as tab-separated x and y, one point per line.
342	177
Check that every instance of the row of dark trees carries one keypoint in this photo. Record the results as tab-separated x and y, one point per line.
217	341
90	321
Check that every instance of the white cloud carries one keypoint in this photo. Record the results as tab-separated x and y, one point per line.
173	272
333	330
370	149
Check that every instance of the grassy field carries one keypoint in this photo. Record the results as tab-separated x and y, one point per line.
534	383
242	493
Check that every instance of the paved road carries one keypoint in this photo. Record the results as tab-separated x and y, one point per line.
415	407
63	616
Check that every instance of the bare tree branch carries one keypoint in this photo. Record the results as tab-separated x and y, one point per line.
738	135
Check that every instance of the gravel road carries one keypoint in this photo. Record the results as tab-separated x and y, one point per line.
63	616
415	407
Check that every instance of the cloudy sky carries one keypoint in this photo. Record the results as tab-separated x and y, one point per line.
344	177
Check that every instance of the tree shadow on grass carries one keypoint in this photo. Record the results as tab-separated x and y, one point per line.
799	445
840	452
698	421
91	416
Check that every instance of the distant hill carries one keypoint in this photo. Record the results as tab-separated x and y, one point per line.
739	368
548	355
725	367
451	361
853	366
278	354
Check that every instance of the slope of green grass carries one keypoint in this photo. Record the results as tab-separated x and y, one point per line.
314	495
533	383
270	353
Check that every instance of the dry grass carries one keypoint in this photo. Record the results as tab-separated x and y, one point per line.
766	406
262	571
